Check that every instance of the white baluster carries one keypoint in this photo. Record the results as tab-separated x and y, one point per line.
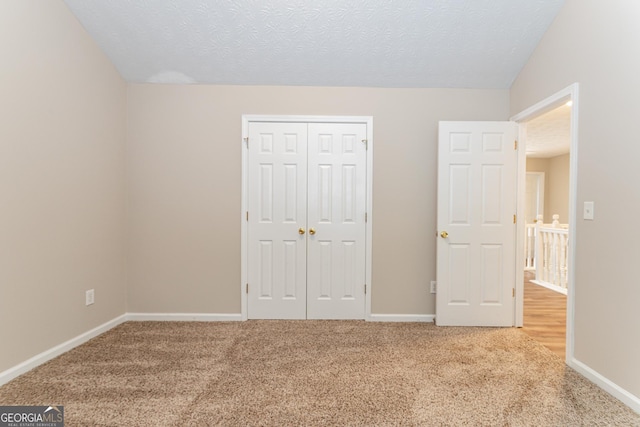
552	256
532	247
539	249
527	239
529	247
546	257
561	260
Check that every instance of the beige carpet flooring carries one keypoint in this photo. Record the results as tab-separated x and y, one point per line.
315	373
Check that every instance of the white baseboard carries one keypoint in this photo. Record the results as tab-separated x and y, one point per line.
631	400
184	317
56	351
402	318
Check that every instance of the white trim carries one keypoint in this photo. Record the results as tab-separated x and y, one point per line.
402	318
540	192
567	94
570	93
369	225
184	317
56	351
520	226
244	265
551	286
629	399
244	207
303	119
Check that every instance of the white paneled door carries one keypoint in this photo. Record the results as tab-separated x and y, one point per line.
336	215
277	202
477	175
306	220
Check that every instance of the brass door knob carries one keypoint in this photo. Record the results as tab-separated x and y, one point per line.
300	230
312	231
444	234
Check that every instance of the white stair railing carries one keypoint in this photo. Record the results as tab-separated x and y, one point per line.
530	247
551	254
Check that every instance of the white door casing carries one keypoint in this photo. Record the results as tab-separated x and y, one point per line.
569	93
477	183
337	207
534	196
319	275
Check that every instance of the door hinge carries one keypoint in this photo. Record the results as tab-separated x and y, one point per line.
247	288
246	141
247	215
513	292
365	288
515	218
366	217
366	144
515	144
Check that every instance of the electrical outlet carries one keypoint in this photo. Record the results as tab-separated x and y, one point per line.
433	287
89	297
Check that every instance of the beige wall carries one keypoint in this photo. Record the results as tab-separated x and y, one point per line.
594	43
62	107
556	185
557	200
185	186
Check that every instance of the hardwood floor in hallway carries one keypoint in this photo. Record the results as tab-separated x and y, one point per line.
545	316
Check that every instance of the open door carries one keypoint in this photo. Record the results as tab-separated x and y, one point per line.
476	249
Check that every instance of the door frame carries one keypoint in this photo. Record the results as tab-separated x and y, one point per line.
570	93
244	263
540	192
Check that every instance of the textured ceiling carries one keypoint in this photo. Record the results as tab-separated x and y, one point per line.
383	43
550	134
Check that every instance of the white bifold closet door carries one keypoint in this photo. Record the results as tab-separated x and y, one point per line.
306	227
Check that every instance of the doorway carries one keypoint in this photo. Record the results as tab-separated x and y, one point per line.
567	98
548	151
306	226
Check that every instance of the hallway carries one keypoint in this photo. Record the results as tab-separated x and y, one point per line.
545	315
